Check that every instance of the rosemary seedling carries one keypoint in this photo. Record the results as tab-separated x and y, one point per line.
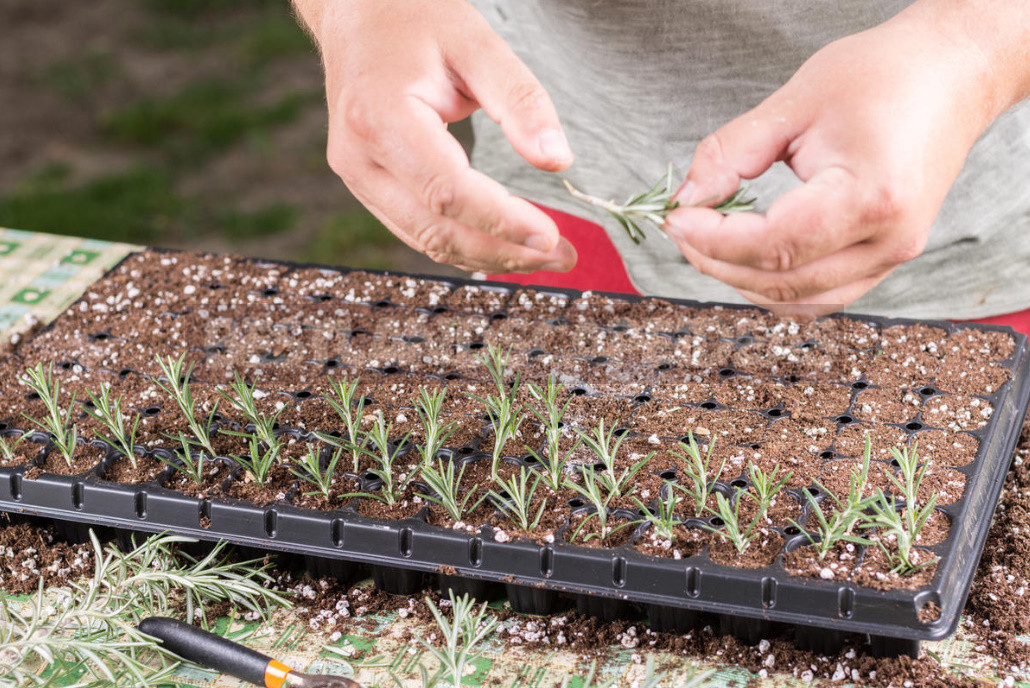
350	407
463	635
652	206
260	459
551	416
244	399
58	421
903	525
837	525
309	469
188	460
605	446
515	500
696	468
429	405
8	447
376	444
109	412
766	487
595	492
444	481
506	414
87	635
663	519
177	374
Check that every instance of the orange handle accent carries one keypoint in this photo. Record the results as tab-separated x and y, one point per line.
275	674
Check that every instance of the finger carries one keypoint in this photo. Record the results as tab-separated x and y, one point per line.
814	220
818	305
413	144
846	266
510	95
446	240
741	149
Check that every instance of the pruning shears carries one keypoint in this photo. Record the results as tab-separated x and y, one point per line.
207	649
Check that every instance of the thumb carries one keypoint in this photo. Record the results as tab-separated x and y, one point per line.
741	149
511	96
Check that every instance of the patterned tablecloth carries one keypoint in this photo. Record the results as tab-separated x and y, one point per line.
41	274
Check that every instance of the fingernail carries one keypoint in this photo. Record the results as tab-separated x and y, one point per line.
672	226
555	267
554	145
685	194
539	242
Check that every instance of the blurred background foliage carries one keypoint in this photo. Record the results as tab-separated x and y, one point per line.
196	124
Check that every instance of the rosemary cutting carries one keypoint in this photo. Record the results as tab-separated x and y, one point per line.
651	206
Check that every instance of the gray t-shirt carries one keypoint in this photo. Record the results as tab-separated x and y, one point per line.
639	82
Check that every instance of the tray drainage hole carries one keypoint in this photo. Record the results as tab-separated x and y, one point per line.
530	460
578	391
151	411
664	366
466	450
727	372
407	538
323	298
67	365
745	340
391	370
619	572
498	316
861	384
125	372
370	477
668	474
828	454
928	391
452	376
621	328
755	446
214	285
475	552
716	522
382	303
913	426
336	532
621	432
812	490
598	360
574	503
415	339
709	405
303	394
141	505
774	412
100	337
332	363
533	353
844	419
895	463
642	398
271	522
440	309
739	483
32	396
78	495
4	426
791	530
476	346
271	291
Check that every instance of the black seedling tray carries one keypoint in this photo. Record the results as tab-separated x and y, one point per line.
676	595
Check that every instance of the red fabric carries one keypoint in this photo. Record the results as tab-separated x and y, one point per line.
600	267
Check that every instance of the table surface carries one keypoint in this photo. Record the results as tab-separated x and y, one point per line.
41	274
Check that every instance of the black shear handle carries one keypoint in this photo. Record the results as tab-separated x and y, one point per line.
207	649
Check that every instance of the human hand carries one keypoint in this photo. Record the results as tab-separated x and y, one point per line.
877	126
396	73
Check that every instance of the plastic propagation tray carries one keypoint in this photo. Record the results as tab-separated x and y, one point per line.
676	595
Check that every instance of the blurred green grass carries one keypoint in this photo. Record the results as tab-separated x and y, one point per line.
191	124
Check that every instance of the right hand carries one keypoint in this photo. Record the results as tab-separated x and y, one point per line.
396	73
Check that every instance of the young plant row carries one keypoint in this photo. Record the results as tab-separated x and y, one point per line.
522	497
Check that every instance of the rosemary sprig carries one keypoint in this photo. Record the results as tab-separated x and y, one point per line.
8	446
91	627
188	460
551	416
392	484
838	525
651	206
109	412
350	407
463	635
260	459
57	422
766	487
177	374
429	406
605	447
245	400
444	479
663	518
309	469
696	467
595	492
515	500
506	414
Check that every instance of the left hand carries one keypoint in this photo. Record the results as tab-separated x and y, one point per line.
877	125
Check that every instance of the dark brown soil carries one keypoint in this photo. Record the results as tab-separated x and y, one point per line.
29	554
